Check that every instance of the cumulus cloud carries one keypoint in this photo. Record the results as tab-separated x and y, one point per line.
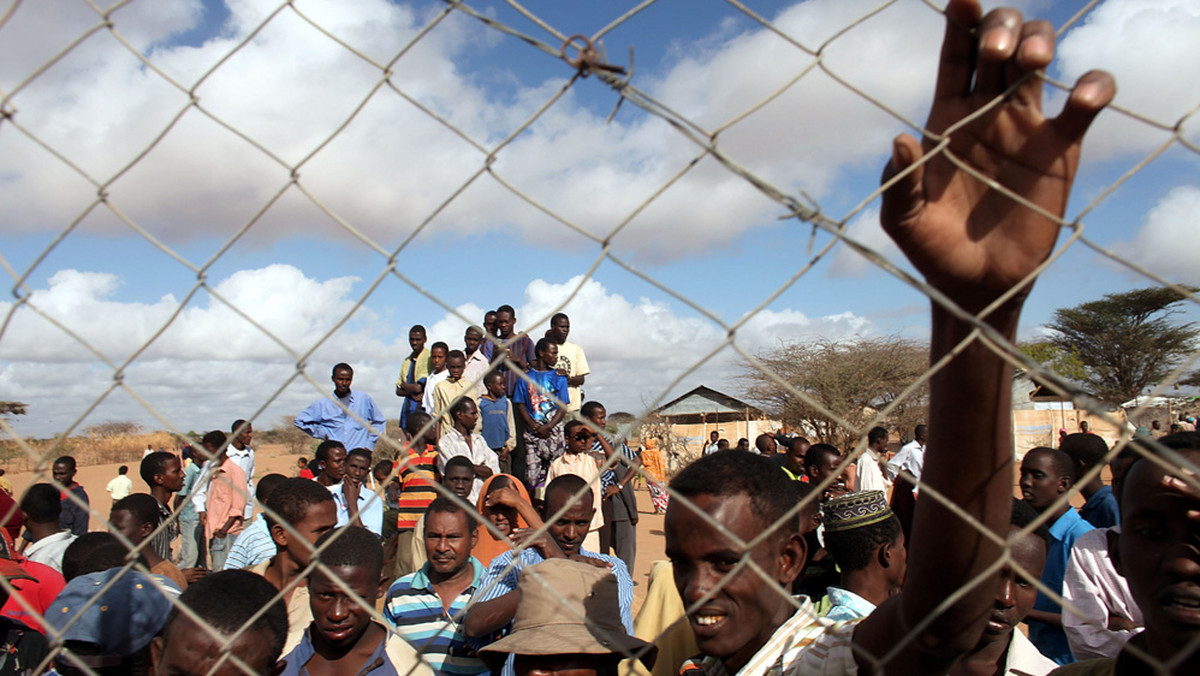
211	365
290	87
1160	242
1152	50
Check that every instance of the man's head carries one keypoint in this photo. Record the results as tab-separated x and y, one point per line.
417	338
437	356
494	383
765	444
214	443
242	432
224	602
465	414
877	439
746	495
450	535
596	414
354	556
797	451
921	433
332	457
579	437
42	504
1155	425
713	436
722	444
547	352
743	444
572	496
63	470
419	427
135	517
123	470
1156	549
383	469
560	328
506	319
266	486
1083	427
1046	473
864	537
94	552
459	476
823	460
308	508
1087	450
343	376
358	465
472	339
1015	593
162	469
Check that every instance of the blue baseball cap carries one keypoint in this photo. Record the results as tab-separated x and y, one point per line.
122	621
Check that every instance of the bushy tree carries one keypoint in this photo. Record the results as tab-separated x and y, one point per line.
1126	341
849	379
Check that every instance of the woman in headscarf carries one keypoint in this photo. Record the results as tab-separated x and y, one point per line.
656	475
504	502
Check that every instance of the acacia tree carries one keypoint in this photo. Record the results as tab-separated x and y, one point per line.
850	379
1126	341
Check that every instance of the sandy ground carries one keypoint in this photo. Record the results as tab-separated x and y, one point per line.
273	458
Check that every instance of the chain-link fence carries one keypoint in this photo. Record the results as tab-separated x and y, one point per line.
832	53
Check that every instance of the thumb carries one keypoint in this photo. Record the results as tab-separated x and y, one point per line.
905	195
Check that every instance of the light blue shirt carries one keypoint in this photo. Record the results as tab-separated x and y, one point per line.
370	508
847	605
253	546
325	419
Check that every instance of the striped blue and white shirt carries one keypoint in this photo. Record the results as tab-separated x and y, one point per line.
416	612
502	576
252	546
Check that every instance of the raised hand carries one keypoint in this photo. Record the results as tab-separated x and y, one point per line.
971	241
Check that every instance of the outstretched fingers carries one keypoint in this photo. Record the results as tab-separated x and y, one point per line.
956	64
1093	91
906	196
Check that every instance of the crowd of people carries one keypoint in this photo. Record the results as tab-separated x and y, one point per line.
479	542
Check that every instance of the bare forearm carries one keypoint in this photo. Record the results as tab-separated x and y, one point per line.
488	616
969	461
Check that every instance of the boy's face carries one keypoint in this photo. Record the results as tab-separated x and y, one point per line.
381	473
63	473
455	365
186	649
341	618
548	355
449	541
739	618
318	520
1040	482
459	480
247	434
124	522
357	468
559	329
495	385
416	340
171	477
599	418
504	324
335	463
579	440
1157	553
471	339
1015	593
437	356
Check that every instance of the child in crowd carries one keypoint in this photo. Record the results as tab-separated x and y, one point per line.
136	517
541	406
499	428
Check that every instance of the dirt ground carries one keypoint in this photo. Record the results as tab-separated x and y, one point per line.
272	458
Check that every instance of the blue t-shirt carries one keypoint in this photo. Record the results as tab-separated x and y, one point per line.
1052	641
1101	509
495	421
540	399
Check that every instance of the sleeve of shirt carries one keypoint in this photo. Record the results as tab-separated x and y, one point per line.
520	393
486	455
200	491
499	579
1087	628
624	591
561	392
581	365
377	420
511	442
312	420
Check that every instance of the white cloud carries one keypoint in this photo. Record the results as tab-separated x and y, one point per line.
1161	242
212	367
866	230
1152	51
290	87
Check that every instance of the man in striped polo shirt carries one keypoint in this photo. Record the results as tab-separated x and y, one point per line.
426	607
418	474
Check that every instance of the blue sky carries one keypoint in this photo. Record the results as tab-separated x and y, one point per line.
710	237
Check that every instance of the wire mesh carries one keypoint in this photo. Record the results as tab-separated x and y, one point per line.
696	143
